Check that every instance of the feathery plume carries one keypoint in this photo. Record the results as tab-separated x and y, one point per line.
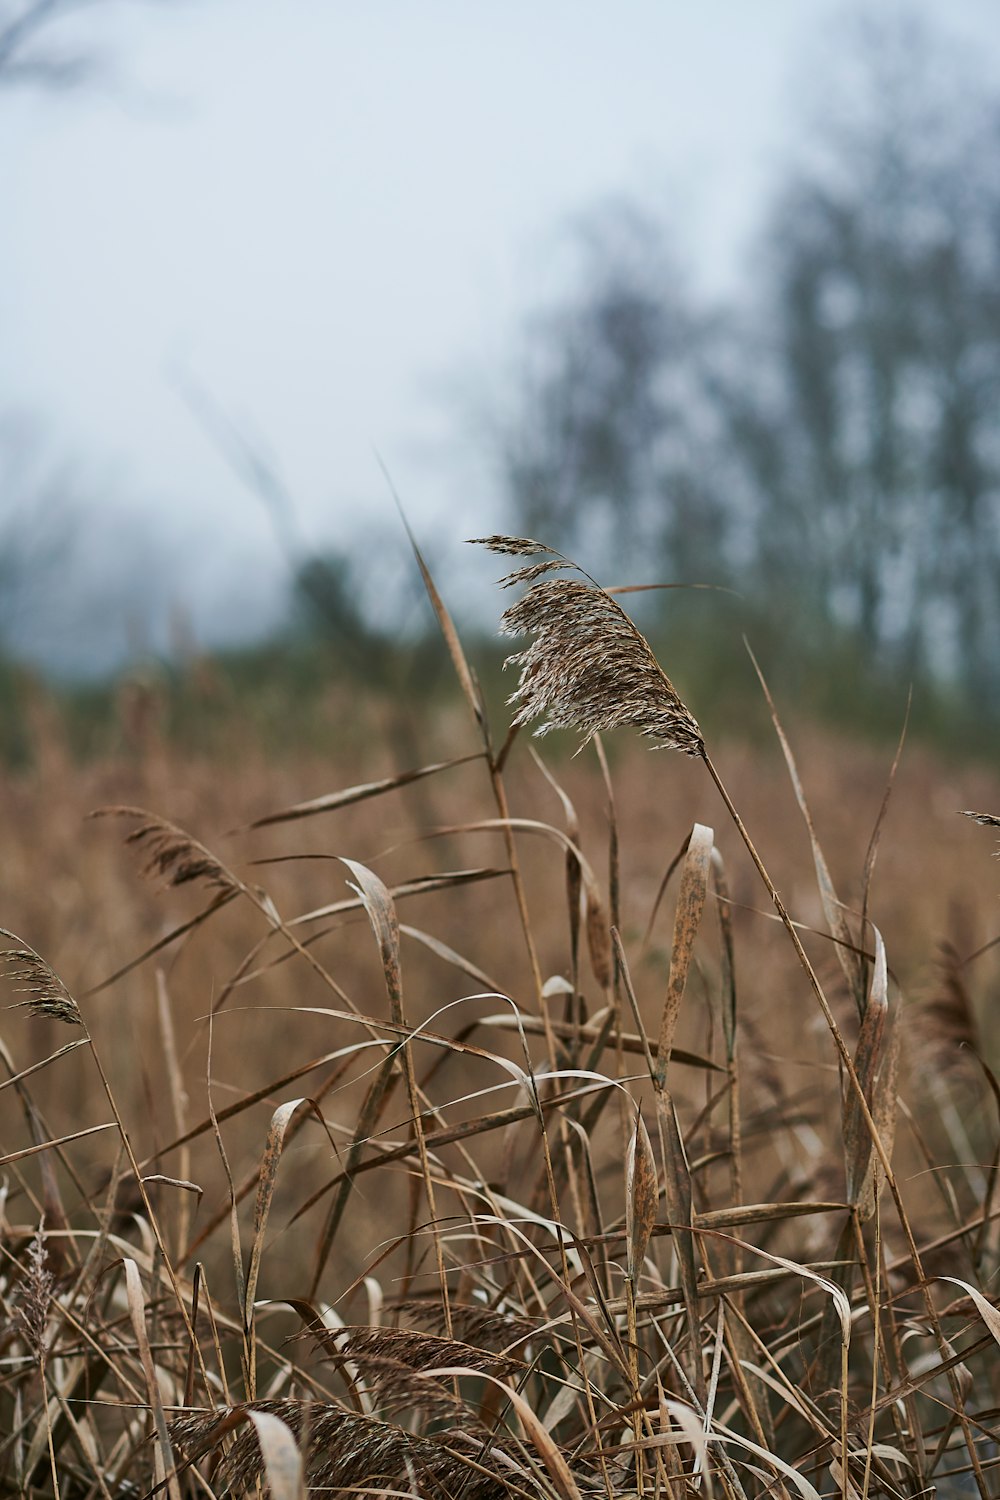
172	855
474	1323
988	820
513	546
588	666
349	1450
47	995
36	1298
420	1351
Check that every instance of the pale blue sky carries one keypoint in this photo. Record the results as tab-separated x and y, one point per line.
328	212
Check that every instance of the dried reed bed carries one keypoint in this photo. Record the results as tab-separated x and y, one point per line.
548	1135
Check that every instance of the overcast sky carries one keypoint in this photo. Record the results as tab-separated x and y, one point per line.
333	216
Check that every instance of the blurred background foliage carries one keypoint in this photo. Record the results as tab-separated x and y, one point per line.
822	448
828	446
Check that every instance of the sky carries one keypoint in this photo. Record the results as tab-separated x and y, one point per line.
330	220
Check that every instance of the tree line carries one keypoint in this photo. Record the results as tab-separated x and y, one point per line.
827	442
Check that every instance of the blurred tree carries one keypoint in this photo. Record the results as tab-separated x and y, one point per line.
27	53
831	443
870	444
36	526
604	452
37	500
38	51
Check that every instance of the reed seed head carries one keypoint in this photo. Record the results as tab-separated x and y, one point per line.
588	666
32	976
36	1299
988	820
172	855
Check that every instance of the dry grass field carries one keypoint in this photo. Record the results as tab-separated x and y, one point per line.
539	1150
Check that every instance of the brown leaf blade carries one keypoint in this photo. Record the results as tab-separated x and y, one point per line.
270	1161
986	1310
360	793
381	912
283	1464
690	909
641	1198
868	1062
62	1140
137	1315
680	1208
